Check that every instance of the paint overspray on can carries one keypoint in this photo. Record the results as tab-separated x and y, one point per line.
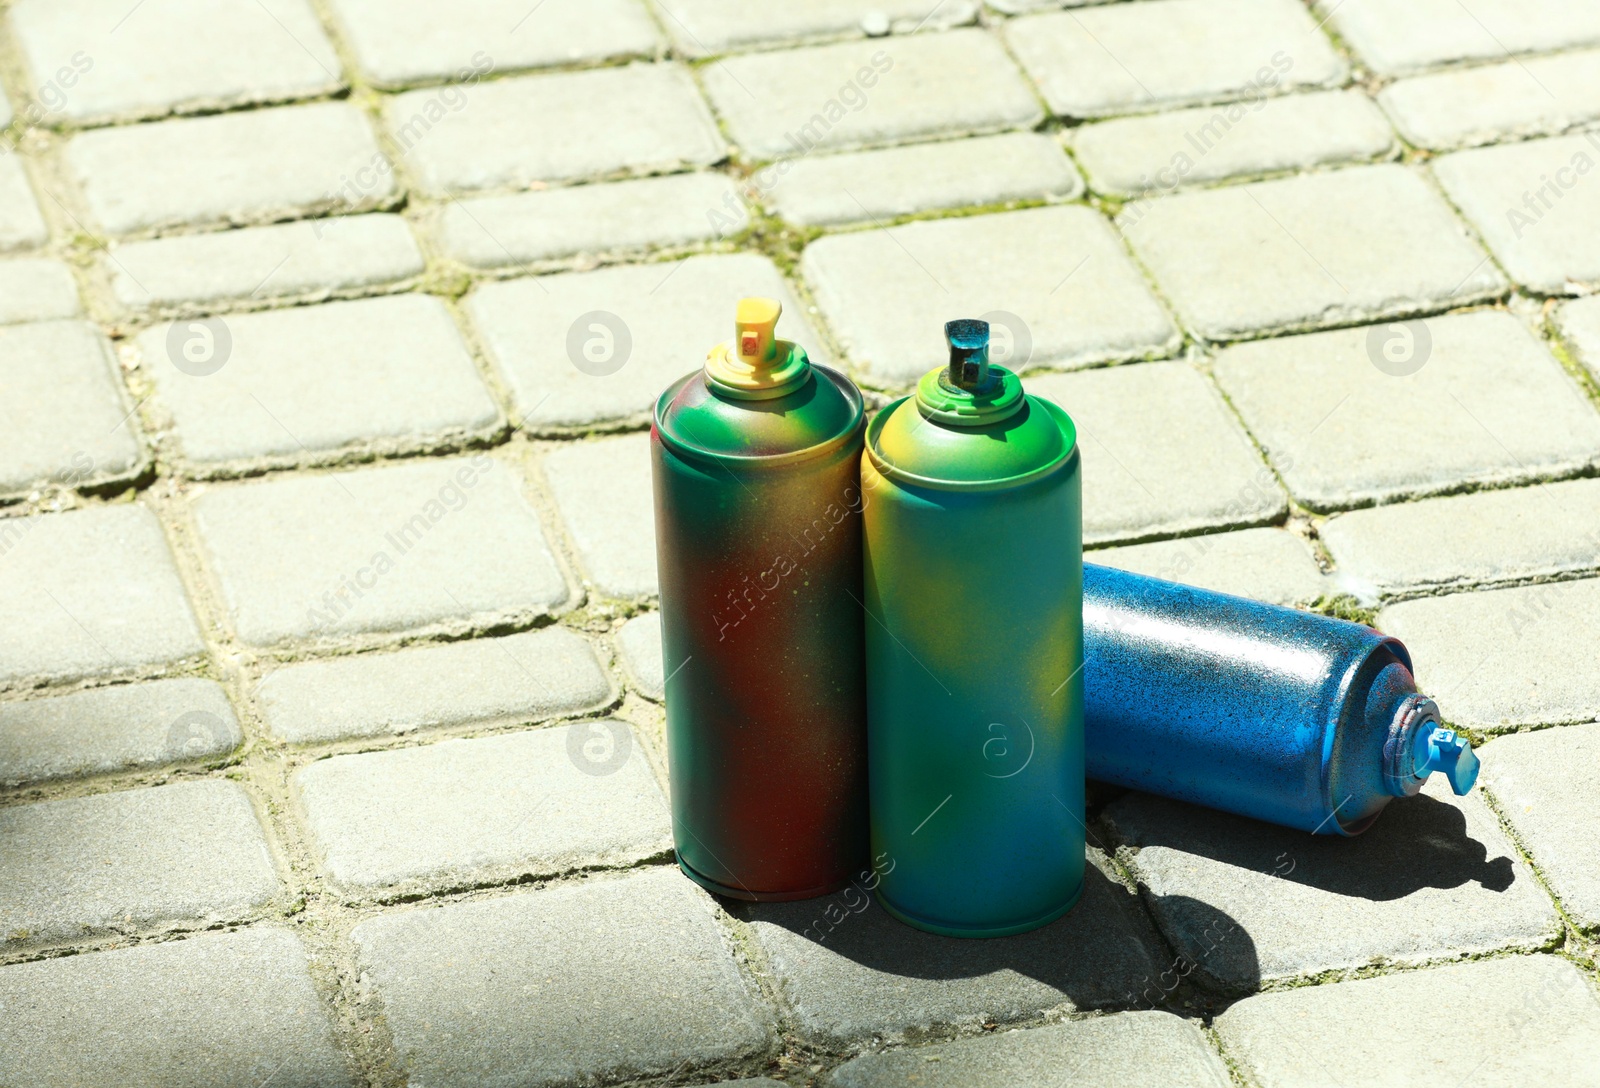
975	685
1270	712
758	534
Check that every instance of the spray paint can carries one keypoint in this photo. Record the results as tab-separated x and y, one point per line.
758	541
975	686
1269	712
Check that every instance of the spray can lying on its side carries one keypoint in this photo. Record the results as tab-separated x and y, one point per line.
975	687
758	542
1269	712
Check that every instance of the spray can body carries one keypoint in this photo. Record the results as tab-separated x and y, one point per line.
1269	712
758	536
973	592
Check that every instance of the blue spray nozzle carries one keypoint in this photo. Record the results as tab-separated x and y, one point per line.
969	351
1446	751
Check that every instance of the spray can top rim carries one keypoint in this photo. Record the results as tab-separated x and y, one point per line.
755	364
968	391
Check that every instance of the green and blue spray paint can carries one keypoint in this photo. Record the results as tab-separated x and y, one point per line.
974	635
756	459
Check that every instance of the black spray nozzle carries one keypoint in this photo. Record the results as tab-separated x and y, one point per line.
969	352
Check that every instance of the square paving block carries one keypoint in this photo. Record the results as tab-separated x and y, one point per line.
1272	565
88	593
21	225
595	347
1306	252
190	855
1404	409
206	1012
405	546
1534	1020
115	728
1394	37
603	490
68	420
1466	540
387	373
639	646
603	980
98	60
1127	58
1505	658
703	27
316	258
36	289
862	94
1537	204
489	810
514	133
849	972
1247	902
879	185
1056	283
521	677
1579	323
1161	453
236	168
1543	783
404	41
1540	96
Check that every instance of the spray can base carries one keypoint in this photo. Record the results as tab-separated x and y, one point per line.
945	930
759	897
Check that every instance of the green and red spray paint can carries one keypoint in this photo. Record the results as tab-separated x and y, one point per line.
758	535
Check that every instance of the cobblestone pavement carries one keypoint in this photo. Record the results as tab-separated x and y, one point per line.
330	725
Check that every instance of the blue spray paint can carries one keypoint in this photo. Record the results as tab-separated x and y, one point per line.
1268	712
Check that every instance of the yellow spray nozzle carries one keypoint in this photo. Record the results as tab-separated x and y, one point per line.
756	365
757	322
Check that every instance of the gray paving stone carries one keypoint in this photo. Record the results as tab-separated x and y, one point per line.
631	977
1536	206
1395	37
1136	1050
93	60
1579	323
1504	658
1270	565
115	728
397	43
389	372
70	421
1541	784
36	289
402	547
1247	902
674	313
1541	96
189	855
213	1011
524	677
639	646
515	133
1534	1021
703	27
1489	404
1304	252
858	94
591	221
875	185
871	976
1122	58
21	225
249	167
1060	275
91	592
311	259
490	810
1136	156
1161	453
603	491
1467	540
